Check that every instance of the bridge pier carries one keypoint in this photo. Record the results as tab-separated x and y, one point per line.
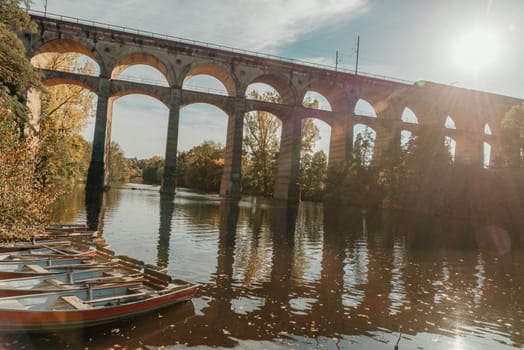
287	187
341	143
230	185
98	173
469	150
387	145
169	177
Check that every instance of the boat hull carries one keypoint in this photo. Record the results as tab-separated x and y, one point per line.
56	321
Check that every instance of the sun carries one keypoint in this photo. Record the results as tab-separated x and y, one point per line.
476	49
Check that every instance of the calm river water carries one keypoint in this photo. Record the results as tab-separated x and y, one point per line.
280	278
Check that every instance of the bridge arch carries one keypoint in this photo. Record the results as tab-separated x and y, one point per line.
364	138
405	137
365	109
487	129
215	70
266	108
491	151
42	55
486	153
281	84
451	144
195	114
120	91
408	116
54	81
138	109
190	99
128	60
203	101
450	123
315	100
332	95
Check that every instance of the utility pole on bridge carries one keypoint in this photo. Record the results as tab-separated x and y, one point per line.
358	50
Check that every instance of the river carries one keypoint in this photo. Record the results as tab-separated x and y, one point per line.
282	278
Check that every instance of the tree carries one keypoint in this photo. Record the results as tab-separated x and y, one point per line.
311	177
355	184
119	165
152	170
201	167
23	202
65	109
17	75
513	136
261	146
313	170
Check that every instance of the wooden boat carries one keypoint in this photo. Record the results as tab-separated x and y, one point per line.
43	254
17	269
66	280
44	250
67	227
59	234
57	311
49	266
54	239
18	246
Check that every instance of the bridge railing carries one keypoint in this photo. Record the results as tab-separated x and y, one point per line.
96	24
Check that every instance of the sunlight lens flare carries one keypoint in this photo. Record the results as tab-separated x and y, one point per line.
476	49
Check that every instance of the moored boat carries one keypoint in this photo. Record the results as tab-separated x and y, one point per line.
66	280
18	246
42	251
91	306
17	269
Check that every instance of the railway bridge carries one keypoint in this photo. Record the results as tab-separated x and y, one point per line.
476	116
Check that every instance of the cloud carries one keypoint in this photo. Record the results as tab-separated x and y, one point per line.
259	25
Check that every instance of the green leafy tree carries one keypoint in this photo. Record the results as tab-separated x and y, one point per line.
261	146
313	169
201	167
355	184
513	136
152	170
416	176
119	165
17	75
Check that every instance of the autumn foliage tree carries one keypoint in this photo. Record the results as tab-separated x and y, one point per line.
23	201
65	108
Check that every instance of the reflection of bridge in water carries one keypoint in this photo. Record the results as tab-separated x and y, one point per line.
284	273
366	282
476	115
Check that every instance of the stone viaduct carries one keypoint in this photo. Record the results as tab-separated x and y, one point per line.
476	115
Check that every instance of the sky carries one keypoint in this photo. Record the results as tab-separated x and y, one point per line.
474	44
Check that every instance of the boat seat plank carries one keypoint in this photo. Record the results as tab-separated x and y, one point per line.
76	302
116	297
55	282
36	268
77	266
